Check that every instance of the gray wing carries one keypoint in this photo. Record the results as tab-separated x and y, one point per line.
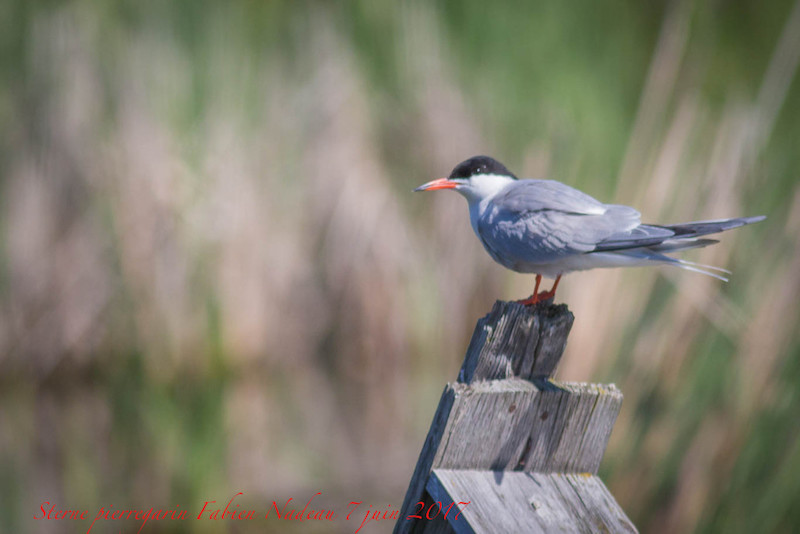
539	221
673	236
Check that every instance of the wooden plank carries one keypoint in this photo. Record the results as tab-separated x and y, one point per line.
425	461
507	421
516	425
516	340
528	502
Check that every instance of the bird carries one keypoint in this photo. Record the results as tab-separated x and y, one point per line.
549	229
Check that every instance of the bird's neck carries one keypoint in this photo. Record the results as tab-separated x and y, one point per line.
477	207
479	193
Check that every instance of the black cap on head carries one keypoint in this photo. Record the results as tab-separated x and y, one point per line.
479	165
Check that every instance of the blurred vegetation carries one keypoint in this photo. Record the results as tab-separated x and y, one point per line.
215	278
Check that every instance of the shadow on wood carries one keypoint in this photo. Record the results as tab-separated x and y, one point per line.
521	449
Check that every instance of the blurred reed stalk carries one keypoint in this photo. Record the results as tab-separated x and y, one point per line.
215	278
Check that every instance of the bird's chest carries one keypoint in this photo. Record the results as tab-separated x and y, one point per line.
481	217
476	211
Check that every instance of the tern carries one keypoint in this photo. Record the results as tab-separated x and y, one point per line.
549	229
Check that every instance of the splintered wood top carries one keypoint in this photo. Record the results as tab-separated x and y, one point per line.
516	340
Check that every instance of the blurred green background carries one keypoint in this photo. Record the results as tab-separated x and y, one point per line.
214	276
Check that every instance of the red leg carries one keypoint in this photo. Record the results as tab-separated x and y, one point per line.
552	293
544	295
533	299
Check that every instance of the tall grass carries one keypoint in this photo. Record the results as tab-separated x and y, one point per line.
215	278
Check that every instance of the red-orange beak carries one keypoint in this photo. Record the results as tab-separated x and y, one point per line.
441	183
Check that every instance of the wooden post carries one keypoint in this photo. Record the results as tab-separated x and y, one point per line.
522	449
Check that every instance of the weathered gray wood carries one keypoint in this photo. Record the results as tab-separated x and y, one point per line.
528	502
555	322
516	425
425	462
524	426
516	340
505	418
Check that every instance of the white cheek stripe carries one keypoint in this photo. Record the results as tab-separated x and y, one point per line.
486	185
